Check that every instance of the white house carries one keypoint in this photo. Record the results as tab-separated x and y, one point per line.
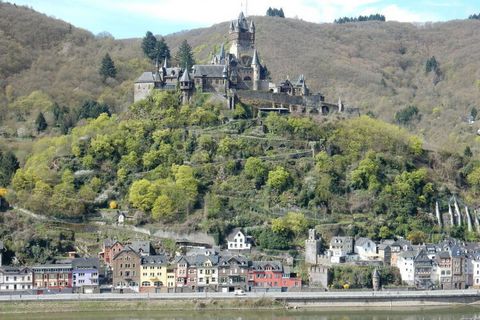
475	265
366	249
237	240
15	279
405	264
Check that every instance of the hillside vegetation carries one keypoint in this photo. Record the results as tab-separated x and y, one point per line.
81	143
189	165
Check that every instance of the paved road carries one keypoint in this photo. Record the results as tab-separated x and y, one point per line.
251	295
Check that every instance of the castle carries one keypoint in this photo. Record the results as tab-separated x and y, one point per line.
236	74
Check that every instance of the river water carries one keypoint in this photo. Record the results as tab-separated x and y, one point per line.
465	313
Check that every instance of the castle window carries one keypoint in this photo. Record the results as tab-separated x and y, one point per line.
247	78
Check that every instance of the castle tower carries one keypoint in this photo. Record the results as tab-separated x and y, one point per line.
313	246
157	78
242	37
376	280
256	71
186	86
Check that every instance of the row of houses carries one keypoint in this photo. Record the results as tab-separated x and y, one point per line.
450	264
135	267
74	275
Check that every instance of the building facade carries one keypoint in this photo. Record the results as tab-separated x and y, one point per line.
126	270
15	279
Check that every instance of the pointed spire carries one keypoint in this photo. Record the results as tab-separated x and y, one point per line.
252	26
222	51
165	63
255	60
156	64
186	75
232	27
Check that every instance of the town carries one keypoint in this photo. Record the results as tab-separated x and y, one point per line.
134	267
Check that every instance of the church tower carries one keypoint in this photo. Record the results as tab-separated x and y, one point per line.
242	37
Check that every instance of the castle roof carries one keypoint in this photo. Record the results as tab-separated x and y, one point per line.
145	77
241	24
185	76
210	71
255	60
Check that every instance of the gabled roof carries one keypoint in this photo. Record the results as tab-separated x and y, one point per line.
233	233
125	249
141	246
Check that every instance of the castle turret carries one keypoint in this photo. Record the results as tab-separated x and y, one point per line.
256	66
242	37
186	85
164	68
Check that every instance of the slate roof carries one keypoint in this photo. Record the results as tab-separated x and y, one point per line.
199	260
146	77
261	265
361	241
14	270
233	233
237	259
409	254
185	76
126	249
210	71
154	260
85	263
140	246
255	60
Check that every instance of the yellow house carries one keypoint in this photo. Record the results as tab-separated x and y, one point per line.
153	273
171	277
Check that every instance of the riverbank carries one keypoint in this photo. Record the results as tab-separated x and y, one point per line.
14	307
364	300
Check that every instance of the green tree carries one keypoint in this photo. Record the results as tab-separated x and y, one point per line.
278	179
162	51
93	109
41	123
467	152
107	68
256	169
163	208
184	56
8	166
149	46
142	194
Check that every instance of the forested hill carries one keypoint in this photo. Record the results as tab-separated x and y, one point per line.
202	167
380	67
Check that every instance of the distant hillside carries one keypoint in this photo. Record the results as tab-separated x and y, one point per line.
377	66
